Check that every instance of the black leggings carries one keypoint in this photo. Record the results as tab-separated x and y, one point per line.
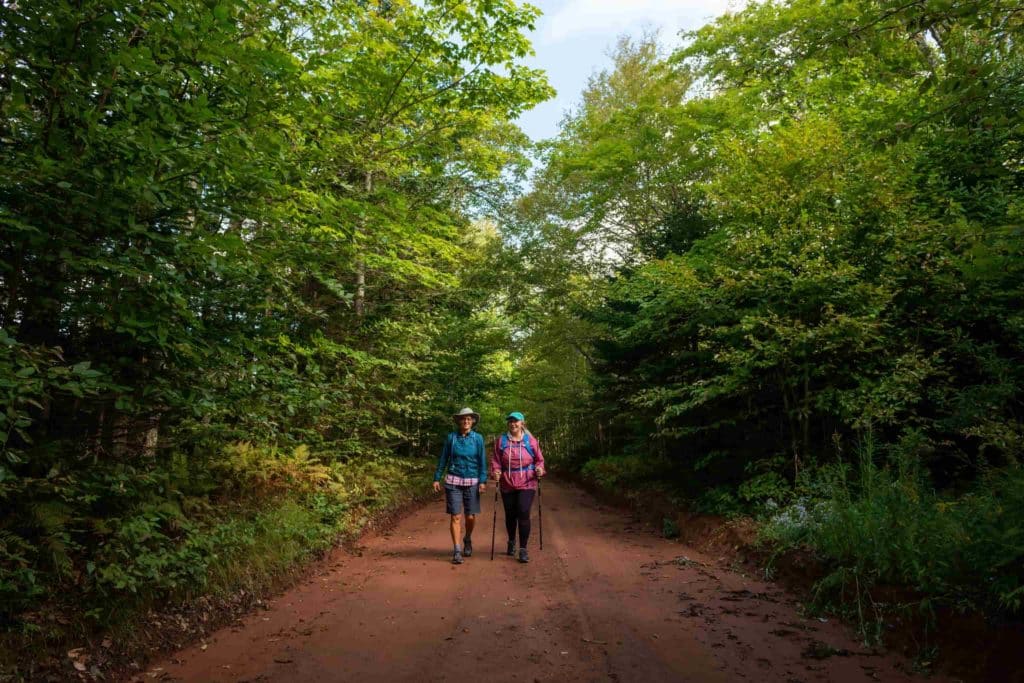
517	511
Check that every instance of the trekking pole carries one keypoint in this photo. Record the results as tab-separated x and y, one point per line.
494	522
540	514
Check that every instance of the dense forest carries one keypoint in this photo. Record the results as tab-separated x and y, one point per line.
254	254
236	285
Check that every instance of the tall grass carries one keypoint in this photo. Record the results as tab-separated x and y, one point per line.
880	525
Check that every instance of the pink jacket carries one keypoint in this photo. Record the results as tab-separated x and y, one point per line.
518	467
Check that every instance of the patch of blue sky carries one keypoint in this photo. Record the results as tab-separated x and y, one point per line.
574	38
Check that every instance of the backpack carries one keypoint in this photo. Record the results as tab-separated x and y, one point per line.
451	442
527	442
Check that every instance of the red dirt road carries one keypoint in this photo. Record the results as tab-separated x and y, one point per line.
604	601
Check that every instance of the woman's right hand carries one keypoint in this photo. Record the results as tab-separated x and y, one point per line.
496	475
437	487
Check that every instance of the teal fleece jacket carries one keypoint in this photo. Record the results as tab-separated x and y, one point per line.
464	456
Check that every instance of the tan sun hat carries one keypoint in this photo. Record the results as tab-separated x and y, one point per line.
467	411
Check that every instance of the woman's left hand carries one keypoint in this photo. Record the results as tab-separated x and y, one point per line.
540	471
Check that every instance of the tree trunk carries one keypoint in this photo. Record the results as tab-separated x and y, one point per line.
790	407
152	436
360	299
805	415
119	438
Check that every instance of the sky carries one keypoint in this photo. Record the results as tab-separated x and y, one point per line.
574	37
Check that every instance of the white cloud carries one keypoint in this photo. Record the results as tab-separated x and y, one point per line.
601	16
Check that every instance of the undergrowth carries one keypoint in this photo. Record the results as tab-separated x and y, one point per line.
176	532
891	542
623	472
642	476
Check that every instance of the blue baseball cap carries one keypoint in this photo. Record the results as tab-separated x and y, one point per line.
515	416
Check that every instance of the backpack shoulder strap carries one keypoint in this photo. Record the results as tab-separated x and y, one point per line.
528	442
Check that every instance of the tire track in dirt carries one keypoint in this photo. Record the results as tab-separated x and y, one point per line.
604	601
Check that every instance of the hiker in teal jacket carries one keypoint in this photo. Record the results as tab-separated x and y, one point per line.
464	456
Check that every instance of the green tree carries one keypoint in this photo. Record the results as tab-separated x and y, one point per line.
229	222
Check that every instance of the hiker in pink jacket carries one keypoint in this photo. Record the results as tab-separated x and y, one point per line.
517	463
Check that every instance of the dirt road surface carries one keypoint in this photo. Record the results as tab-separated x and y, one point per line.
605	600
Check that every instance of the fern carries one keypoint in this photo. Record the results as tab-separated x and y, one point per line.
268	469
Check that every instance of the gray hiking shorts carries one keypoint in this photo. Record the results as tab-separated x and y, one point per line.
459	498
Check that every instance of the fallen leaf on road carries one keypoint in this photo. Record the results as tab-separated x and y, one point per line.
594	642
78	658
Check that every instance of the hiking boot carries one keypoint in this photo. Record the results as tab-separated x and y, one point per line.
523	556
511	549
467	547
457	557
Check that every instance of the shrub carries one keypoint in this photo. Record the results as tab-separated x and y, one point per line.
883	525
622	472
118	536
268	469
